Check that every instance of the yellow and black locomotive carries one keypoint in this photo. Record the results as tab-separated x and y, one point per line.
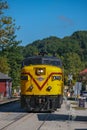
41	83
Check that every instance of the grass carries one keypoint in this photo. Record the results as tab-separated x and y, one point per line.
74	103
79	108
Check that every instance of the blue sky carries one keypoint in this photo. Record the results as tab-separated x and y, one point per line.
40	19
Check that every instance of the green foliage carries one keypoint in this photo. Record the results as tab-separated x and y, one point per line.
72	50
7	26
4	66
14	59
30	50
10	51
72	64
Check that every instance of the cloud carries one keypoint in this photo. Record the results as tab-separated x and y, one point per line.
66	20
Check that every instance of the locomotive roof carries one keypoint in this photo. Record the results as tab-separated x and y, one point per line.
49	60
4	76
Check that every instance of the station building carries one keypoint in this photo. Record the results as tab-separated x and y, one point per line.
5	85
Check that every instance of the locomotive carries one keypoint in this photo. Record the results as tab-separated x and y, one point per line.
42	83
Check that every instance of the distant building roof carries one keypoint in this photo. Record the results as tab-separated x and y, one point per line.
84	71
4	76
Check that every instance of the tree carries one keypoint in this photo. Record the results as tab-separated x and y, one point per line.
9	45
4	66
72	64
15	57
7	27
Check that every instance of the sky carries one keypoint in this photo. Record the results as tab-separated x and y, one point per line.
39	19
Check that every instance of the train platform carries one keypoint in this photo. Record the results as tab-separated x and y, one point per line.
5	100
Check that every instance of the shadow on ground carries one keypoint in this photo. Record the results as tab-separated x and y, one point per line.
60	117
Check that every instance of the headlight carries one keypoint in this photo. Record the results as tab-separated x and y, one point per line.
56	78
49	88
30	88
40	71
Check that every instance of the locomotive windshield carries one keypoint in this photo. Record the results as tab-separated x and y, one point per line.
42	60
54	62
31	61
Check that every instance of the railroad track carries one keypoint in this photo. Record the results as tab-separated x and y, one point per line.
15	119
42	124
11	114
30	117
20	118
